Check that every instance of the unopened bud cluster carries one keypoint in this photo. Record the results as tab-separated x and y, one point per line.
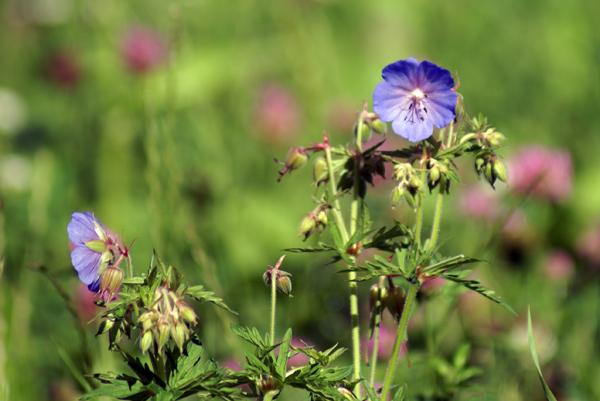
168	318
408	187
371	124
488	166
283	280
436	173
392	298
315	221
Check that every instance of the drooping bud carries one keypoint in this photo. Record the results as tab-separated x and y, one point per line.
394	301
307	226
500	171
163	335
377	294
283	280
179	334
110	282
379	126
397	194
146	341
296	158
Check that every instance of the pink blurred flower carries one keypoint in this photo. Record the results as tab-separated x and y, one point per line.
63	69
546	172
142	49
277	114
479	203
387	337
588	246
559	265
84	301
299	359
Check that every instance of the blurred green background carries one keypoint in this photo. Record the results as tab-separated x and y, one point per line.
163	118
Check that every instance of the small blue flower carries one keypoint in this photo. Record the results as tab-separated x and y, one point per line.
92	248
415	97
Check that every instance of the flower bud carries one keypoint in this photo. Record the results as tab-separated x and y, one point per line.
163	335
397	194
354	249
415	182
321	220
283	279
433	178
146	341
269	386
111	279
188	315
409	196
496	138
346	393
377	294
379	126
394	301
307	226
365	133
179	335
500	171
320	171
489	174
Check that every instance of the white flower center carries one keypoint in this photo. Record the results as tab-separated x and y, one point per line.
416	111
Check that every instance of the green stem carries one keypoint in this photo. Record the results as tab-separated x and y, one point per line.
336	204
129	264
273	303
377	312
419	224
412	293
438	213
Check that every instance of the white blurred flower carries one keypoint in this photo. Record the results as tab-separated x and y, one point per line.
15	173
12	112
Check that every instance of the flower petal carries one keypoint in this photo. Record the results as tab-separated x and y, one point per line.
81	228
95	286
431	78
441	107
402	73
388	101
413	131
87	263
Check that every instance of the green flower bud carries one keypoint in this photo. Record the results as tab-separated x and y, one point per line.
415	182
320	171
296	158
163	335
146	341
321	220
496	138
500	171
397	194
111	279
489	174
479	162
410	197
179	334
377	294
188	315
365	133
379	126
307	226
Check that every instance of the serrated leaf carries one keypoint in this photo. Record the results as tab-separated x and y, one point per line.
119	387
547	392
337	236
322	248
284	351
188	363
452	175
337	374
200	295
364	218
477	287
449	264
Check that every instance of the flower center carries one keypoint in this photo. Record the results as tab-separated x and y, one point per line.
416	109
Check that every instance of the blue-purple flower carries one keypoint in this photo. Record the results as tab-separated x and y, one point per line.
94	248
415	97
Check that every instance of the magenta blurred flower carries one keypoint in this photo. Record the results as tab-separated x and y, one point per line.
559	265
387	337
277	113
84	301
588	246
415	97
546	172
63	69
478	203
142	49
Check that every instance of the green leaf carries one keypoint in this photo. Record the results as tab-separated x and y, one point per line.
119	387
364	218
284	351
547	392
401	394
322	248
188	363
199	294
337	236
475	286
134	281
250	335
370	392
449	264
452	175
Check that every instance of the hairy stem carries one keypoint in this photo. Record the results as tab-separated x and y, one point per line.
273	303
419	224
377	311
410	297
438	213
